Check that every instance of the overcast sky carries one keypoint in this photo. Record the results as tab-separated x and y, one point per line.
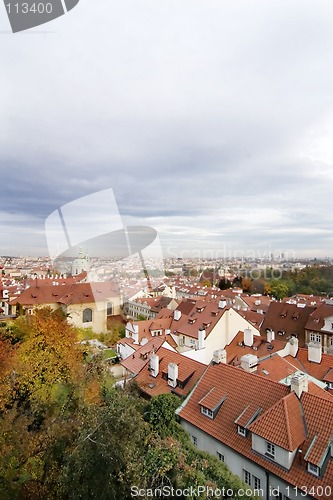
211	120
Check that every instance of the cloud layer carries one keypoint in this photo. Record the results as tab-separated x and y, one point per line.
211	121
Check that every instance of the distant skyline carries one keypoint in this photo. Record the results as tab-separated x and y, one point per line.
211	120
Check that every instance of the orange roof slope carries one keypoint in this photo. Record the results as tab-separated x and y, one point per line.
318	413
282	424
188	370
242	389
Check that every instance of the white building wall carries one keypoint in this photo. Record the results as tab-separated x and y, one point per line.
125	350
237	463
221	335
282	457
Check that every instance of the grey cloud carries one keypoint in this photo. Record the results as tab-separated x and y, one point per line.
193	112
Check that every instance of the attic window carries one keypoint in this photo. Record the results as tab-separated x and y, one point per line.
241	430
296	315
206	411
313	469
270	450
283	314
281	332
192	320
34	296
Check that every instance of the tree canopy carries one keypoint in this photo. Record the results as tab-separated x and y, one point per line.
67	433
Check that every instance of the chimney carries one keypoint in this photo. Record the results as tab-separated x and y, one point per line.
299	383
248	337
172	374
135	334
314	352
201	338
220	356
293	346
154	364
222	303
270	336
177	315
249	362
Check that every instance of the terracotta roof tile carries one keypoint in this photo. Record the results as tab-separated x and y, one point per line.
243	389
212	399
78	293
187	368
248	415
286	319
282	424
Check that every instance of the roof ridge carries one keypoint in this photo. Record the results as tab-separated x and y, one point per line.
285	407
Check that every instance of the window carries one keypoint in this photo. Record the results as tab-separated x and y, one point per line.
256	482
247	477
251	480
87	315
109	309
192	341
315	337
270	450
331	342
241	430
194	440
220	456
207	412
313	469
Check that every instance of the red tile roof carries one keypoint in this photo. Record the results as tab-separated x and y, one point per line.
318	413
316	370
260	347
248	415
212	399
286	320
78	293
245	388
282	424
140	358
316	319
187	369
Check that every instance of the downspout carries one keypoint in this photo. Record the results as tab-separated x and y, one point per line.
267	485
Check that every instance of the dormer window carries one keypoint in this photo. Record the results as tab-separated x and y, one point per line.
206	411
241	430
270	450
211	403
313	469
